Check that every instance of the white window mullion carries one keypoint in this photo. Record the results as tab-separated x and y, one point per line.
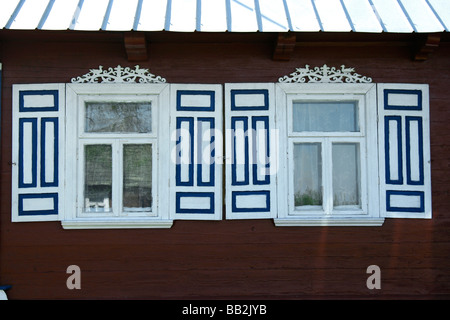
118	177
327	176
80	179
155	177
364	177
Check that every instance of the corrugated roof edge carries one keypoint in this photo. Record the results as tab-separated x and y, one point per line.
259	10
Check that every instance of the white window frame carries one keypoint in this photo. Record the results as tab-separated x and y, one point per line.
365	94
76	138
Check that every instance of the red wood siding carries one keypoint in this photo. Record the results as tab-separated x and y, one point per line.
226	259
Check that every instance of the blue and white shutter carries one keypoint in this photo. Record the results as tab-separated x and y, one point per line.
196	151
404	150
251	151
37	162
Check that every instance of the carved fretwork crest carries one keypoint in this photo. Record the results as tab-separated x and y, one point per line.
119	75
325	74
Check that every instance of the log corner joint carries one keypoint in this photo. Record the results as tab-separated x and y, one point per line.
284	46
427	46
135	46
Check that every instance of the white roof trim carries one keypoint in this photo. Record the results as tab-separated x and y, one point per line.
396	16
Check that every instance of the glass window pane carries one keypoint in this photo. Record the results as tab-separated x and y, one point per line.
124	117
307	175
325	116
137	177
346	175
97	178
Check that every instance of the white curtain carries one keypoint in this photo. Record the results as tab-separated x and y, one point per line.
325	116
346	172
307	174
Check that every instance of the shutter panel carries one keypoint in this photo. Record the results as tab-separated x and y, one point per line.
250	151
196	144
38	141
404	150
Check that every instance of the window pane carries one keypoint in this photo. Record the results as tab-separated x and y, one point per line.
325	116
137	177
346	175
307	174
124	117
98	178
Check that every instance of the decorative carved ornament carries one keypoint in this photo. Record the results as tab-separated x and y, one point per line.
118	75
325	74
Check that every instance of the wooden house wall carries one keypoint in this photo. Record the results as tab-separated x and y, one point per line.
226	259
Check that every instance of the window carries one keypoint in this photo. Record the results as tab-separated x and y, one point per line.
144	155
114	134
115	146
328	132
327	154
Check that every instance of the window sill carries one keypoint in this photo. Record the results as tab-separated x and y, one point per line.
329	221
117	224
3	295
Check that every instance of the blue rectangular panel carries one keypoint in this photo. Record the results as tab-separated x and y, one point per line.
407	106
234	178
185	135
420	165
387	154
52	106
54	181
196	205
200	156
257	162
263	93
32	153
208	97
391	207
254	201
43	204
